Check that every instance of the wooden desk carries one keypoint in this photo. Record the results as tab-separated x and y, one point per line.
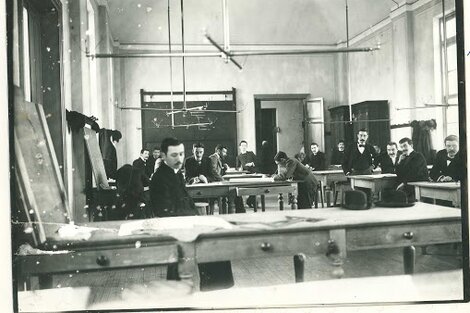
252	186
437	286
449	191
280	233
376	183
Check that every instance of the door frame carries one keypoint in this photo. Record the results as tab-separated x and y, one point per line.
258	98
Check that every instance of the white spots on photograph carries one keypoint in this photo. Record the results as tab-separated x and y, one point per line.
28	230
148	9
138	244
139	5
31	211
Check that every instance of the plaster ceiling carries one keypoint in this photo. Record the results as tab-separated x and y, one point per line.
251	21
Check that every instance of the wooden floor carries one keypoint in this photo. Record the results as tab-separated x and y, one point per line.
108	285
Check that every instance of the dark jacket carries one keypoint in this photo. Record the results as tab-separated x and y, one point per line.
386	164
243	159
337	157
108	152
194	169
139	164
455	169
318	161
412	169
149	166
353	159
169	195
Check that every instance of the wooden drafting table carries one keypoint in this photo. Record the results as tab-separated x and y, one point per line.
280	233
376	183
240	187
241	175
449	191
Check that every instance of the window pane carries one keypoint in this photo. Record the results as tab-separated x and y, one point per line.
452	82
453	114
451	57
453	100
26	61
450	27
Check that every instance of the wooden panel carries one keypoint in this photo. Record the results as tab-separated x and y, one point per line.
259	246
96	159
98	259
205	192
393	236
267	190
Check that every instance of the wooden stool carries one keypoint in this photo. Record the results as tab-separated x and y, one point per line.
340	186
202	207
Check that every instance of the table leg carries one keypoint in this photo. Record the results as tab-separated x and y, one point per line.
409	258
263	203
231	204
224	208
45	281
281	202
187	266
294	205
255	204
417	193
322	198
299	267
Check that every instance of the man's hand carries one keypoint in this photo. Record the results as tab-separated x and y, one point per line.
226	166
251	164
401	186
203	179
401	158
445	179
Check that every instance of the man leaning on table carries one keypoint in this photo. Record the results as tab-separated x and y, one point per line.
411	167
448	165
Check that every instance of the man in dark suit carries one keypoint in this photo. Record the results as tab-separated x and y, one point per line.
337	156
170	198
150	165
359	156
140	165
198	167
246	160
448	165
316	161
388	161
292	168
108	140
411	167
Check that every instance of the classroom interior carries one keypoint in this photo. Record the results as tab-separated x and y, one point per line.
219	72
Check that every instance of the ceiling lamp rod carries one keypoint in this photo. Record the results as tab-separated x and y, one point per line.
182	59
177	110
347	61
226	28
171	64
226	53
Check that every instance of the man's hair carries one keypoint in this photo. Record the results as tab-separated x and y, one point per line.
392	143
314	144
341	141
156	148
220	147
451	138
170	141
243	141
406	139
280	156
198	145
143	149
362	130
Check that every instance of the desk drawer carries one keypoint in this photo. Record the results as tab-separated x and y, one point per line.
403	235
98	259
213	192
275	190
259	246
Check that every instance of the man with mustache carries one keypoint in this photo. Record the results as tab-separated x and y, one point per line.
448	165
411	167
167	188
359	156
388	161
198	168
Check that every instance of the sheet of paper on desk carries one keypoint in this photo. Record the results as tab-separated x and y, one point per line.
185	228
252	180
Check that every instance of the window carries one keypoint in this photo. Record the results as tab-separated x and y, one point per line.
26	56
91	48
448	50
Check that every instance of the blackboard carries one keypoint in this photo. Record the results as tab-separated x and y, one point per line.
38	175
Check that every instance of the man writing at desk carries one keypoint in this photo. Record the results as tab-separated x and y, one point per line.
198	167
411	167
170	198
448	165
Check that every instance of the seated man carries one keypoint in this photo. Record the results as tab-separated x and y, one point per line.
218	167
198	167
448	165
150	166
388	161
337	156
246	160
411	167
292	168
316	161
170	198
